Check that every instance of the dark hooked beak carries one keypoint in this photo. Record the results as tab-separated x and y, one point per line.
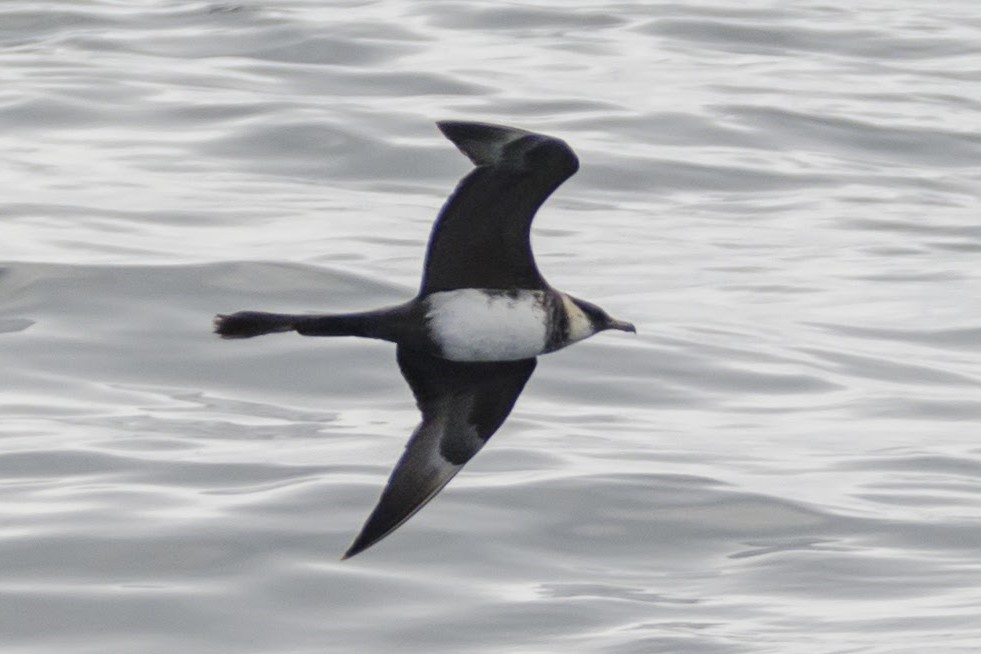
622	325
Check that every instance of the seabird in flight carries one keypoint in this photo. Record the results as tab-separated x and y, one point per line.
468	342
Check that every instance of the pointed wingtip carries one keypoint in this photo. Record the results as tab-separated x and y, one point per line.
418	477
454	129
486	144
359	545
482	143
394	508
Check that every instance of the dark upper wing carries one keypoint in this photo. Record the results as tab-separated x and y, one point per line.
462	405
481	237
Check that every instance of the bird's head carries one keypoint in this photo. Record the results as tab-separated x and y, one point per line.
593	319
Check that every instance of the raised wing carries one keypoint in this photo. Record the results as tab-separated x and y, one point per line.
481	237
462	405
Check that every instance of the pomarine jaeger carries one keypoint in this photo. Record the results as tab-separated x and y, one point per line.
468	342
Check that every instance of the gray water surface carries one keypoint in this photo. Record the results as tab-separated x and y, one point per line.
782	196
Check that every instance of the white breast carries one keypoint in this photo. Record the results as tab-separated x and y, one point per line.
481	325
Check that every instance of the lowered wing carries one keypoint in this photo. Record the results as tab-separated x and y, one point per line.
462	405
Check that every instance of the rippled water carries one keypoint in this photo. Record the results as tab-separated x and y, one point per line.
782	196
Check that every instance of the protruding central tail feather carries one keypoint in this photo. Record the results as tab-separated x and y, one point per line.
246	324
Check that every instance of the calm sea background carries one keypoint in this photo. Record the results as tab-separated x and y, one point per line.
783	196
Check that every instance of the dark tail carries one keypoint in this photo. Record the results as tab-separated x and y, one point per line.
246	324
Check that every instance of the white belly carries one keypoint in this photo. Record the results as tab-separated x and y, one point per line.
477	325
